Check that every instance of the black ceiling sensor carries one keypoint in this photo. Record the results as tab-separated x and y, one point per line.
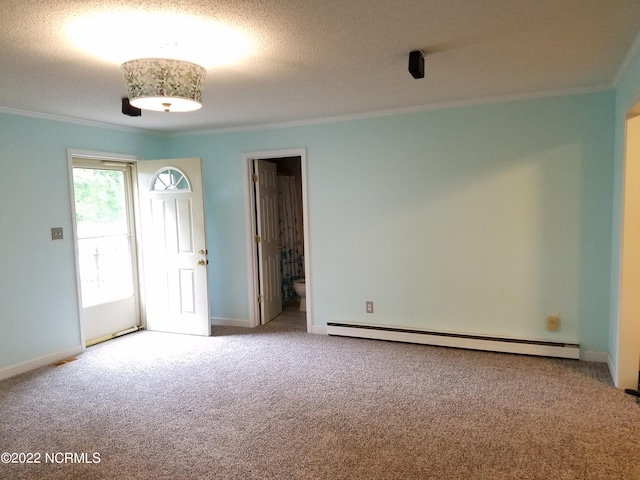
416	63
128	109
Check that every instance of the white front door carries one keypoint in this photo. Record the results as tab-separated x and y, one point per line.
106	258
268	239
174	246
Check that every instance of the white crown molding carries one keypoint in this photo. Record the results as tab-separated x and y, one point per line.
78	121
399	111
323	120
632	54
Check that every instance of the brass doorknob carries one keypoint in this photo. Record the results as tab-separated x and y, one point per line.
203	262
203	252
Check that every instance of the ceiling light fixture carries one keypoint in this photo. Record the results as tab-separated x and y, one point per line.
164	84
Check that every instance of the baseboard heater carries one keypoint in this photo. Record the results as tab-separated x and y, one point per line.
457	340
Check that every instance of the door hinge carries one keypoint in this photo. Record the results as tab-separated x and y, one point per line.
259	298
254	177
257	238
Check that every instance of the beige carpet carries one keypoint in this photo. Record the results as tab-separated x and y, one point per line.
278	403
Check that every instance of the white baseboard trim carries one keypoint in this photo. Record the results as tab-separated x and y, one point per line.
318	329
613	370
39	362
599	357
230	322
443	339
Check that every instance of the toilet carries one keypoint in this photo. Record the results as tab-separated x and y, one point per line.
299	287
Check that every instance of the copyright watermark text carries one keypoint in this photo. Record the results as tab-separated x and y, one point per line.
50	457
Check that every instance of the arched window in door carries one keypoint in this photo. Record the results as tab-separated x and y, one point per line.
170	179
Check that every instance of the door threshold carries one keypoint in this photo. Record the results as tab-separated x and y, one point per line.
95	341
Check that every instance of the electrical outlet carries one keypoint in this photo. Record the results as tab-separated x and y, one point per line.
553	323
369	307
56	233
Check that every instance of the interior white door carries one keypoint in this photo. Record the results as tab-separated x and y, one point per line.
174	246
268	233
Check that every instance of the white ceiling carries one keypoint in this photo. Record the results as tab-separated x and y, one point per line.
319	59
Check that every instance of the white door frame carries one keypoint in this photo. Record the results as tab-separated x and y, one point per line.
105	157
250	221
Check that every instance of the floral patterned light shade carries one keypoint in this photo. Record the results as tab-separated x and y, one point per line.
163	84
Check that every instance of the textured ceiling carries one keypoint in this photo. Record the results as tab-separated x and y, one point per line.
317	59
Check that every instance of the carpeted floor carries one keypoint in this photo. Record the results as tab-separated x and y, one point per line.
278	403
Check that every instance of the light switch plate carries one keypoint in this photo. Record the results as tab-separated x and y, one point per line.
56	233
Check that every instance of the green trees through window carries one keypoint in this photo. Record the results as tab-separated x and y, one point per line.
100	200
104	243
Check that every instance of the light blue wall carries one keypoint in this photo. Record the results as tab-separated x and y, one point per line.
480	220
38	301
627	96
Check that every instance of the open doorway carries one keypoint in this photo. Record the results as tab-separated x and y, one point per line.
105	240
140	243
277	218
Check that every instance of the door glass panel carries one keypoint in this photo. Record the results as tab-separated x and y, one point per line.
170	179
104	240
